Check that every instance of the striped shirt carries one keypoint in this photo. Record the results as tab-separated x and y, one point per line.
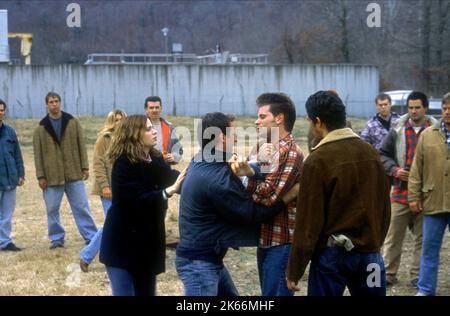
288	162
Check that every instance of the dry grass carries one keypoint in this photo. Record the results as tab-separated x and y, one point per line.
40	271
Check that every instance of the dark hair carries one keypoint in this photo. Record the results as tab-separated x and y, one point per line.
416	95
383	96
328	107
231	117
153	98
4	104
279	103
445	99
52	95
215	120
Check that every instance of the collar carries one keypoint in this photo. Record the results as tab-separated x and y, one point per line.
425	124
398	124
213	156
378	116
446	132
45	122
286	140
338	134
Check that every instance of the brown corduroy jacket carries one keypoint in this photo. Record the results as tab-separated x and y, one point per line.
60	161
343	190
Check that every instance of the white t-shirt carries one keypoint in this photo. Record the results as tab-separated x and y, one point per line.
159	142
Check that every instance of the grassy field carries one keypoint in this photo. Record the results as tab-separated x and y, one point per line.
40	271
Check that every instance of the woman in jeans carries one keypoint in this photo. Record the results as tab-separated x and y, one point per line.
133	242
102	181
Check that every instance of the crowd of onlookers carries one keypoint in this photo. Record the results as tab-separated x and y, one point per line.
345	209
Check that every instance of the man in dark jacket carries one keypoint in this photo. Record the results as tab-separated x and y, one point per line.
215	213
12	174
342	210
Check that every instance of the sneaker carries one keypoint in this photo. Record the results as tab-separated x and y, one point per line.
11	247
420	294
55	245
414	282
84	266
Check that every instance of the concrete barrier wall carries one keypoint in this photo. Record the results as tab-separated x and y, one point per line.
185	89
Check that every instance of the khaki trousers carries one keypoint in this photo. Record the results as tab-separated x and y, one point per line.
401	218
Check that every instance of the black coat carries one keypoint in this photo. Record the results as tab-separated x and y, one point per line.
134	231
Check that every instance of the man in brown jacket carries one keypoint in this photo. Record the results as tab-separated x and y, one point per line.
61	166
343	208
429	193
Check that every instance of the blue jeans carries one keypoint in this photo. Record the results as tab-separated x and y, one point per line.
126	283
335	268
7	206
78	200
272	264
433	233
204	278
89	252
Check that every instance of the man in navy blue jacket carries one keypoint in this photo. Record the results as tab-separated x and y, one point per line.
216	213
12	174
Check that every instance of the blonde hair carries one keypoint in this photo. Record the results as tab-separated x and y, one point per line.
110	122
128	140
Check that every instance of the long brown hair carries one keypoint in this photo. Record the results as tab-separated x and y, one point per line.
127	140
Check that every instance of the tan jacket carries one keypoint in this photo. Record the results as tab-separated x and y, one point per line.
429	178
102	165
60	162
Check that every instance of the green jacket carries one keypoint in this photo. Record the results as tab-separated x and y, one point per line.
60	162
429	178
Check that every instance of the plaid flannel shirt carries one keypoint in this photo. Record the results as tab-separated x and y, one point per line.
288	164
374	132
399	191
446	133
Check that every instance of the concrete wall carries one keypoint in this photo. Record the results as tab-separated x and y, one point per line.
185	89
4	46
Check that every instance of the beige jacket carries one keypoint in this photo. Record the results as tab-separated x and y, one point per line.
429	178
60	161
102	165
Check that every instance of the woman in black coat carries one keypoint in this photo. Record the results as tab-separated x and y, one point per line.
133	242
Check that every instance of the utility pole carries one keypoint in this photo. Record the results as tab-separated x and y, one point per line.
165	32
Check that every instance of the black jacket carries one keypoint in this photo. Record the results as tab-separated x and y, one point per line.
134	232
216	212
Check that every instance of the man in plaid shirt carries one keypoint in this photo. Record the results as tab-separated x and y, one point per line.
276	111
397	154
378	127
